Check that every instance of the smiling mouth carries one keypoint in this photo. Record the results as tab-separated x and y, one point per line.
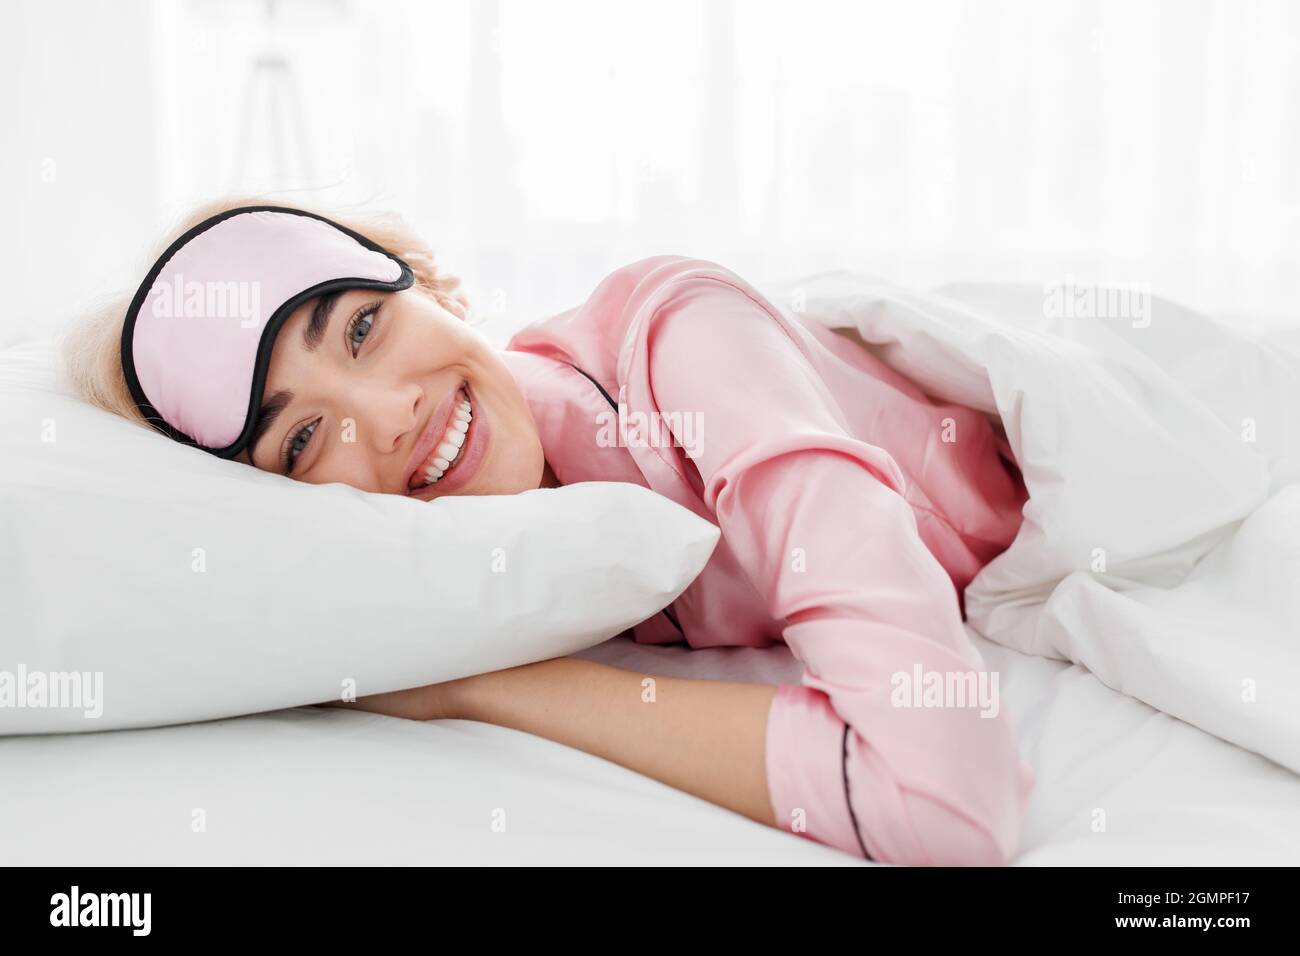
448	451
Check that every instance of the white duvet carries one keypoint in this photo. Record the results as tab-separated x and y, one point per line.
1161	542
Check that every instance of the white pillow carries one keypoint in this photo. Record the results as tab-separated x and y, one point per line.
201	588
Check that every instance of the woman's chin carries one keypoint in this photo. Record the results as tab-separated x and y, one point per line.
522	472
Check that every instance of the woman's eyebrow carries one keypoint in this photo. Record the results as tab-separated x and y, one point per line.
266	417
314	331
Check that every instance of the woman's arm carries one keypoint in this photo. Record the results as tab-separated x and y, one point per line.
818	520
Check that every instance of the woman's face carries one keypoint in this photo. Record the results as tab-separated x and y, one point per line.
382	390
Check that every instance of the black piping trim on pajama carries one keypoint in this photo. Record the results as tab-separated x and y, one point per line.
668	611
844	769
612	404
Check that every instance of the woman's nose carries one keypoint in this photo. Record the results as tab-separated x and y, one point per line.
387	415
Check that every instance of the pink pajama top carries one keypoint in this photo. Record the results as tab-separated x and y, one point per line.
853	512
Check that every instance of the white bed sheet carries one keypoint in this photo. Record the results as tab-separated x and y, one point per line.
325	786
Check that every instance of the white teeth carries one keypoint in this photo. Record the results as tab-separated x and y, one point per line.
452	442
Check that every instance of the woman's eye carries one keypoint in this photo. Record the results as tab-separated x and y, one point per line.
360	327
297	444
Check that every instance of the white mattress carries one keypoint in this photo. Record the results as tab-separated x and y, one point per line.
325	786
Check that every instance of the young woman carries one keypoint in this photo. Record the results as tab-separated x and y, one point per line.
853	510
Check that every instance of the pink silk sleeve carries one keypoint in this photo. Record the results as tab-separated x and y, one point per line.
818	521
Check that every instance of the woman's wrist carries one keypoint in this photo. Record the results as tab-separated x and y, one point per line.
472	698
448	700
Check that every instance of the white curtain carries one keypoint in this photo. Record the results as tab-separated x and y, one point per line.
539	145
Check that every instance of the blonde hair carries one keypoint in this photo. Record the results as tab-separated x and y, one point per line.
92	345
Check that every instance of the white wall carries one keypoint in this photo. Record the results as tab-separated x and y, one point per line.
78	166
541	144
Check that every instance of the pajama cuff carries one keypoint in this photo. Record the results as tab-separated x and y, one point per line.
808	767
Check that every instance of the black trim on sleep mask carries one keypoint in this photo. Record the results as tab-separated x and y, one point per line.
266	343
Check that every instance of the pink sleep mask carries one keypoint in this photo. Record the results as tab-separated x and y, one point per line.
198	337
